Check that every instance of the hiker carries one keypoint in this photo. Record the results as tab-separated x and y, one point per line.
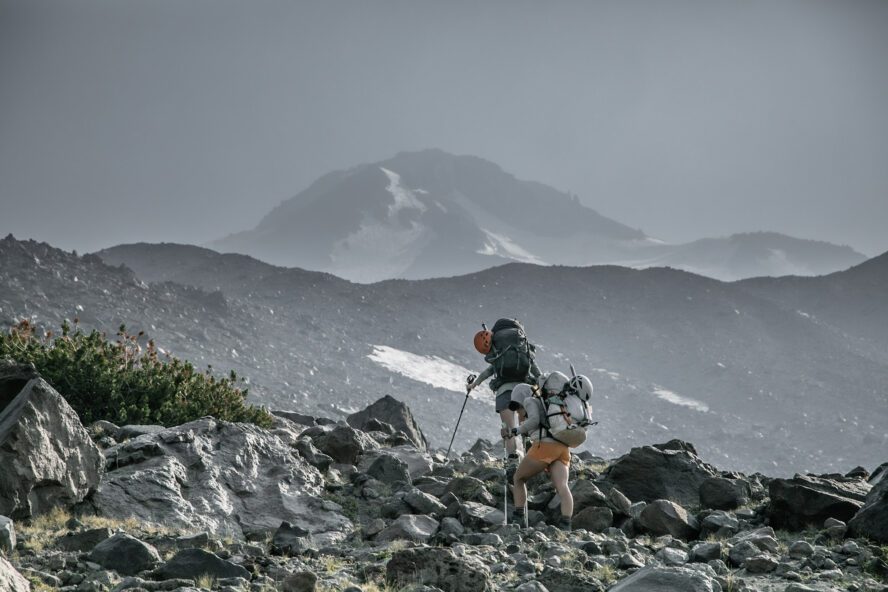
555	421
511	359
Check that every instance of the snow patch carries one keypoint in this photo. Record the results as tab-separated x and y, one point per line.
404	198
499	244
802	313
676	399
430	370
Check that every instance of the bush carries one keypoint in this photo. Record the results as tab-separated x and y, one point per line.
121	382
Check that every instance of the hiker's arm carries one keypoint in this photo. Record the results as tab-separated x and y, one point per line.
534	369
488	372
533	419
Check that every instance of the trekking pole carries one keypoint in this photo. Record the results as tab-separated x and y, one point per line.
469	380
505	481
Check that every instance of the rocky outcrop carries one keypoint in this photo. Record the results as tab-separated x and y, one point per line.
13	378
7	535
47	459
342	443
719	493
10	579
409	527
649	473
667	579
872	519
393	412
806	500
440	568
662	517
194	563
217	476
125	554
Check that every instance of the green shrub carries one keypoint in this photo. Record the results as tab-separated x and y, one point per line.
121	382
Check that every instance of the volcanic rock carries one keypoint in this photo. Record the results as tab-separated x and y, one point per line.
806	500
649	473
393	412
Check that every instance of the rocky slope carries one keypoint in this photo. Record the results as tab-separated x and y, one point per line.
322	505
431	214
751	381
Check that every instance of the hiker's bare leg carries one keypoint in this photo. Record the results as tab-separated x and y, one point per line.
510	418
559	473
527	469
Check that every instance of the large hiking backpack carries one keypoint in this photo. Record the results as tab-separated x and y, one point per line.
511	355
564	417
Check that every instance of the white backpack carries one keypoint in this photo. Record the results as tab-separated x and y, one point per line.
565	418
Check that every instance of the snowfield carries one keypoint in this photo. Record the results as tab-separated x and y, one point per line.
430	370
677	399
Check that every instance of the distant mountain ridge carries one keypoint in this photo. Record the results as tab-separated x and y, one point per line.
432	214
733	366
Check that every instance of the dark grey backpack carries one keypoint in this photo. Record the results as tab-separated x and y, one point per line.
511	355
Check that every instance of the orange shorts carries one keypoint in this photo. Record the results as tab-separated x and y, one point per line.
549	452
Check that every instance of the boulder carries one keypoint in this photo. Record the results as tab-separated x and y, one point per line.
418	463
410	527
871	520
297	418
470	489
475	515
83	541
586	495
190	564
806	500
290	540
7	535
424	503
568	580
649	473
667	579
704	552
312	455
10	579
125	554
662	517
342	443
438	567
393	412
390	470
719	493
228	478
128	432
47	459
720	523
593	519
618	502
13	378
760	564
301	581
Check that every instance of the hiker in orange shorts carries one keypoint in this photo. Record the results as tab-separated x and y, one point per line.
546	453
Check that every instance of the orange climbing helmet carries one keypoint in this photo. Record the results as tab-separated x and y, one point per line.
483	341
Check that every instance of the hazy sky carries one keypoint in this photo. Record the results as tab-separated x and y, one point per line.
126	120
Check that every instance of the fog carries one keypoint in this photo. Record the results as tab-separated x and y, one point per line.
185	121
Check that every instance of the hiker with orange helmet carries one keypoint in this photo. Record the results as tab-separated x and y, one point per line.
511	362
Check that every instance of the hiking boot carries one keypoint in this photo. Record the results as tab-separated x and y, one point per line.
518	517
563	523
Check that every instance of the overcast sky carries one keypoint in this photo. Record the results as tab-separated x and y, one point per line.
172	120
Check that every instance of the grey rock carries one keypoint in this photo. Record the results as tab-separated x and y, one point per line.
705	552
760	564
393	412
531	586
290	539
800	550
662	517
125	554
799	588
342	443
451	526
667	579
410	527
871	520
312	455
763	538
483	538
471	490
83	541
10	579
720	523
740	552
7	535
719	493
806	500
618	502
297	418
128	432
629	560
13	378
649	473
390	470
432	566
671	556
302	581
193	563
475	515
585	494
227	478
568	580
424	503
47	458
593	519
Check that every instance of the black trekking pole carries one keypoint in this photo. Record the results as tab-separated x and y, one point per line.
469	380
